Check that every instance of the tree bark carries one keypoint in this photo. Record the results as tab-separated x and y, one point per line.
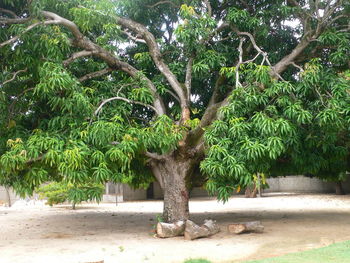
194	231
239	228
171	174
165	230
251	191
339	188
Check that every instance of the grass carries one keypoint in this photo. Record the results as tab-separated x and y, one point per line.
198	260
336	253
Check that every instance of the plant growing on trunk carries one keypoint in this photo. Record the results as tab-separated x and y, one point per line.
130	91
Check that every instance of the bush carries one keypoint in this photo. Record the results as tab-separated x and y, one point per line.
58	193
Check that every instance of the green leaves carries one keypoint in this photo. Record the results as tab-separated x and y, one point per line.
142	94
275	147
49	132
242	18
101	173
57	193
296	113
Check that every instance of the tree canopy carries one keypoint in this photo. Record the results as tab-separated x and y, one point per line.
185	92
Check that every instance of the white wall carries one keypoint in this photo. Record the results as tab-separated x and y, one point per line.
3	196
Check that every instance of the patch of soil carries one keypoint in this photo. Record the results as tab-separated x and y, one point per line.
124	233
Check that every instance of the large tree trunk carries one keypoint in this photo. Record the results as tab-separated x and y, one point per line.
171	173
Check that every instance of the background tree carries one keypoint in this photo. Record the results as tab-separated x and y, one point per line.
122	90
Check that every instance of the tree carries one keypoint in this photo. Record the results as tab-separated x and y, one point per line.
139	90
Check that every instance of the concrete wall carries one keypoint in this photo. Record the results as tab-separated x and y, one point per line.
298	184
132	194
302	184
3	196
122	192
291	183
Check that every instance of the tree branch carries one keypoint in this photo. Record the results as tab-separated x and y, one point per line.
154	156
67	23
77	55
12	105
309	34
135	39
274	72
240	62
126	100
9	12
209	8
163	2
110	59
297	66
95	74
155	53
173	95
10	21
188	80
39	158
13	76
15	38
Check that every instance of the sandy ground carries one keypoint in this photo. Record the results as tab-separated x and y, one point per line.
124	233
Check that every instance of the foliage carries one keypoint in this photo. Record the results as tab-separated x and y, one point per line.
288	127
167	67
57	193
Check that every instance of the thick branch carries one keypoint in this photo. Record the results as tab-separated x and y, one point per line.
216	92
188	81
11	21
95	74
209	8
110	59
126	100
67	23
211	114
77	55
287	60
309	33
154	156
9	12
154	50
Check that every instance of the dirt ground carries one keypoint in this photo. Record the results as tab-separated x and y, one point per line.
37	233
